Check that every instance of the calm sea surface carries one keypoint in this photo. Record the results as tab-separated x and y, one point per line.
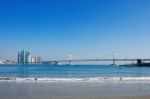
72	71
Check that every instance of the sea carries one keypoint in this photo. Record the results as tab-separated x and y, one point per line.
76	72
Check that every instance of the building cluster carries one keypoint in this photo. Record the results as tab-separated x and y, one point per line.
25	57
7	62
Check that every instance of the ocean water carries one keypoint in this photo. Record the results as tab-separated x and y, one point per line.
71	71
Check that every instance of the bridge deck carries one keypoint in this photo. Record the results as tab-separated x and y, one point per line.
84	60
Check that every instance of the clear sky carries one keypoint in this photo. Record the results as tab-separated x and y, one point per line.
54	29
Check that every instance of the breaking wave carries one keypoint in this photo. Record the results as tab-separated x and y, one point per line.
94	79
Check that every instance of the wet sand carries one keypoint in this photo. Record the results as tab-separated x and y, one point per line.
76	97
75	90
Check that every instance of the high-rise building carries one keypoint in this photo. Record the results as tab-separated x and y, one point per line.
23	57
35	60
38	60
30	59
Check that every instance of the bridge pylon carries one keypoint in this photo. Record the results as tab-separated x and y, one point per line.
114	61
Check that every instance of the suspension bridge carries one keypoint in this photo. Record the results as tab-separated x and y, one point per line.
139	62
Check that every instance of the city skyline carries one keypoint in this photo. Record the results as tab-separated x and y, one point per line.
25	57
54	29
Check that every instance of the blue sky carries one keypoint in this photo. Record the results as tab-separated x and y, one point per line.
54	29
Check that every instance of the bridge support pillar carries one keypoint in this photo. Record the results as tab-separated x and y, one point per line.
69	62
139	62
114	61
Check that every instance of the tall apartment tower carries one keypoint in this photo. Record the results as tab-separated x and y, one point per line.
23	57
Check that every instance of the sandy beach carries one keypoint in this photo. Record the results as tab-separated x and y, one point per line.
79	97
75	90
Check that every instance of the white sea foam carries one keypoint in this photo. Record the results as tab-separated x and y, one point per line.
94	79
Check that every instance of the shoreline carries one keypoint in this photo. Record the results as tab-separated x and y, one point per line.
88	79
